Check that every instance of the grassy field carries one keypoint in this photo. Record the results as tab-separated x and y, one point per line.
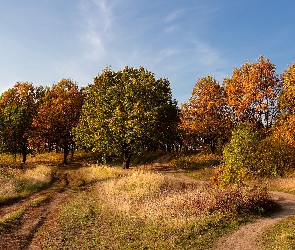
133	209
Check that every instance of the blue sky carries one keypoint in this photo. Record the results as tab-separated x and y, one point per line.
43	41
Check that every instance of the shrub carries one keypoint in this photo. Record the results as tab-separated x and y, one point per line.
277	157
240	157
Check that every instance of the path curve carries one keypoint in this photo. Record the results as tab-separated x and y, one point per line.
248	237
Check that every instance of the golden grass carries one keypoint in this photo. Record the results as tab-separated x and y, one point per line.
148	210
280	184
89	174
16	183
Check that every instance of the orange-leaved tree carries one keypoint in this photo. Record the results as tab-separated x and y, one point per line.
205	117
58	114
252	93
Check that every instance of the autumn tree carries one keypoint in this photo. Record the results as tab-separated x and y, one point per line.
18	107
126	112
58	114
204	117
279	147
252	93
287	97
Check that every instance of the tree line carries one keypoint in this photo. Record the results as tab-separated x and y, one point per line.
129	111
122	113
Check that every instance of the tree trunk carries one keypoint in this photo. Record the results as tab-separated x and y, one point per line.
24	153
126	160
66	152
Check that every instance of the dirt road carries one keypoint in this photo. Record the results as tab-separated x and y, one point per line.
20	234
248	236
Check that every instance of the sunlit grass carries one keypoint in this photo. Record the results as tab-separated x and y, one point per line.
280	236
90	173
16	183
280	184
152	211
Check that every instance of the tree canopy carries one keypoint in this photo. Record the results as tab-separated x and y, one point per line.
18	107
126	112
58	114
204	117
252	93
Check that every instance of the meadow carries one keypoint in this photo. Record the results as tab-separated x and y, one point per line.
174	207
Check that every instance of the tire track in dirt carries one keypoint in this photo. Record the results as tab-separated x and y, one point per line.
21	235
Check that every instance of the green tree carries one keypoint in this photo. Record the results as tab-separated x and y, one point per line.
59	113
18	107
205	117
14	123
126	112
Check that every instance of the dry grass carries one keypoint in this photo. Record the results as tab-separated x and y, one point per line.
280	184
151	211
90	173
16	183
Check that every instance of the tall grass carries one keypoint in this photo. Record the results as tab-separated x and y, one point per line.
152	211
16	183
89	174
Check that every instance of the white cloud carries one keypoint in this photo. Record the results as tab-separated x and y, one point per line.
96	43
164	54
104	8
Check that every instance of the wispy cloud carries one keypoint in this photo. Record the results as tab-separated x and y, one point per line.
104	8
164	54
172	16
208	55
96	26
171	29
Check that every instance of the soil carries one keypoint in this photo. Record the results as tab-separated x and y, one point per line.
22	235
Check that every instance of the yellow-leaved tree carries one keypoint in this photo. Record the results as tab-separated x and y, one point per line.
204	118
252	93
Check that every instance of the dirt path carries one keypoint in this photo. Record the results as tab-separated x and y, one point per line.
248	236
20	235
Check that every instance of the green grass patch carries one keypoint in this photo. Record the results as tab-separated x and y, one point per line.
196	161
198	166
280	236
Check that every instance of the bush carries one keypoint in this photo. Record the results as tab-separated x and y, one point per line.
240	157
277	157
